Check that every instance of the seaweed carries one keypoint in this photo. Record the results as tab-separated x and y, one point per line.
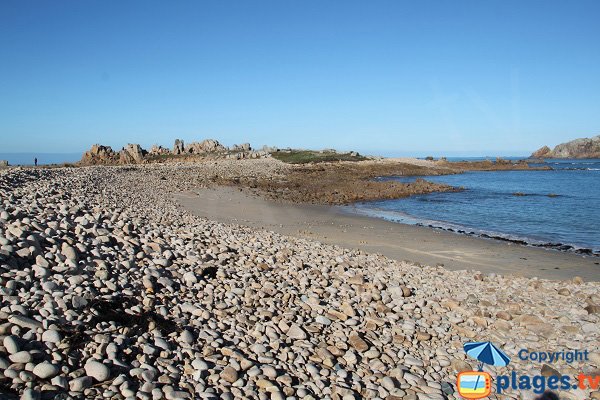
209	272
113	311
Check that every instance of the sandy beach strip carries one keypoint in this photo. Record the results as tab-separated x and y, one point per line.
333	225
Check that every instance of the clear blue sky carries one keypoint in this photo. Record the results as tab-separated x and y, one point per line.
468	77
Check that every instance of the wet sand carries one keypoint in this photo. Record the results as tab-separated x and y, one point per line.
333	225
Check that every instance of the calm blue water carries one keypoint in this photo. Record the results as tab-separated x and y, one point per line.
43	158
559	209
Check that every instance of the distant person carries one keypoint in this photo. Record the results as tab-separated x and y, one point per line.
548	395
35	161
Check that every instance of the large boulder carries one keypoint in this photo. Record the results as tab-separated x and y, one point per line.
3	163
178	147
99	154
131	154
578	148
206	146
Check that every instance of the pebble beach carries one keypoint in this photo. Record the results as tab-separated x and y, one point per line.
110	289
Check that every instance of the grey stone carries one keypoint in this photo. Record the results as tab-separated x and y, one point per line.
24	322
46	370
97	370
11	344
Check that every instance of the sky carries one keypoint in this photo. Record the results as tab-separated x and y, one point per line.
381	77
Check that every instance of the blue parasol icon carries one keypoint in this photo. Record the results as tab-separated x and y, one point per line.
486	353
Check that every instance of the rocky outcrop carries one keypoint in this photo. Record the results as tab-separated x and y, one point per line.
131	154
134	154
541	152
241	147
178	147
99	154
248	154
157	150
3	163
270	149
206	146
578	148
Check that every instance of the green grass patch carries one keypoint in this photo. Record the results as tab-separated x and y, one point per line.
310	156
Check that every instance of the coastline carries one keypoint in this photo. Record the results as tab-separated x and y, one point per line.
406	219
139	263
424	245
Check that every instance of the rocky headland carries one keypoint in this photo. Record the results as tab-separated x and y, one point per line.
109	289
134	154
318	177
578	148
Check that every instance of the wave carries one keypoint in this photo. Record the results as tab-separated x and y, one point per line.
403	218
577	169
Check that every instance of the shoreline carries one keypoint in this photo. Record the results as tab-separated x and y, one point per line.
418	244
354	209
131	263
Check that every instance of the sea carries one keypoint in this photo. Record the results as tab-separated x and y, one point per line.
556	209
43	158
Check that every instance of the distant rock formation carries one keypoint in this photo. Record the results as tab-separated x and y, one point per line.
3	163
134	154
178	147
578	148
131	154
206	146
541	152
99	154
270	149
248	154
241	147
157	150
